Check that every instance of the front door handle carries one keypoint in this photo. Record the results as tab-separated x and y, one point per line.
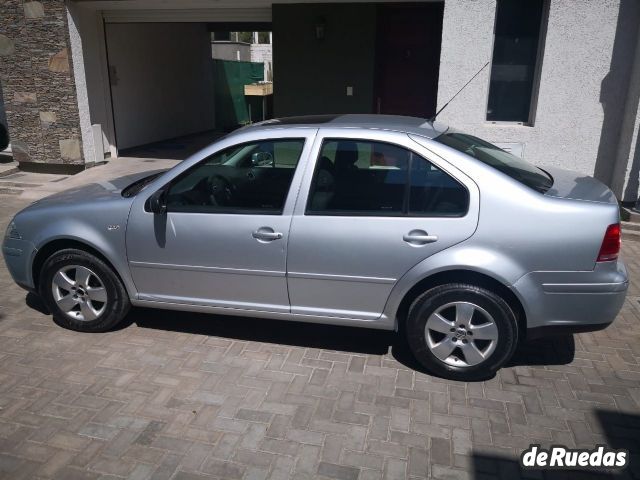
266	234
419	237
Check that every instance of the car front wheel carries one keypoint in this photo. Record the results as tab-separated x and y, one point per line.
461	332
82	292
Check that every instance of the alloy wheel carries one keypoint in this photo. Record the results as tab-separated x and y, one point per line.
79	293
461	334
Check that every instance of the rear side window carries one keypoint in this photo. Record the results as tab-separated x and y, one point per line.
499	159
366	178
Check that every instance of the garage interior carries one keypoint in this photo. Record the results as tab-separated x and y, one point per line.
156	91
170	92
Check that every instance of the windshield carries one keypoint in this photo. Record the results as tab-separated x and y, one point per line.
499	159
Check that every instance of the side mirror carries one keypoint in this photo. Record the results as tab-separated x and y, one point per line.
262	159
158	202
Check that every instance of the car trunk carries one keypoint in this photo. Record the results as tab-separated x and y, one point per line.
576	186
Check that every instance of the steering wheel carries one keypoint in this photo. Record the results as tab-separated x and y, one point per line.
220	190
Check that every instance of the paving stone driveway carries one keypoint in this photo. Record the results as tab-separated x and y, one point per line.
187	396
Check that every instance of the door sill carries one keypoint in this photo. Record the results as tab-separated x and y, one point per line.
381	323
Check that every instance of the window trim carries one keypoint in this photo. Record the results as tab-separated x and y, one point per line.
537	71
404	213
236	210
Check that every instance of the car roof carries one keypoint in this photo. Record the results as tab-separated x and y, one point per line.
413	125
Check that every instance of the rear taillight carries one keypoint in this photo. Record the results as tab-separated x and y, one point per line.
610	244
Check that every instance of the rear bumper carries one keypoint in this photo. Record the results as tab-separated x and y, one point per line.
572	302
18	255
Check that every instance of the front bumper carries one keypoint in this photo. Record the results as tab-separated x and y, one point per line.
571	302
18	255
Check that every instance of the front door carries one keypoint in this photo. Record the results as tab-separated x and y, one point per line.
222	242
374	210
408	58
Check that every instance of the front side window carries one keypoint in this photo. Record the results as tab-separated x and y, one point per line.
499	159
366	178
248	178
515	58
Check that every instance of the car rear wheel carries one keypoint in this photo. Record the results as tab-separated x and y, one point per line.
82	292
461	332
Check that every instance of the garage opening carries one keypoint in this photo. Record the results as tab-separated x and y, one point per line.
176	87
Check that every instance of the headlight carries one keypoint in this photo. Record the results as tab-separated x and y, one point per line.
12	232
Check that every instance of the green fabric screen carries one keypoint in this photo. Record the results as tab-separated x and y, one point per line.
231	105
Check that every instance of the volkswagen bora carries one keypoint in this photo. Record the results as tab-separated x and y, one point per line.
382	222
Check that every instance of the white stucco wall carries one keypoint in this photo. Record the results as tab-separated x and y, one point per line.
579	79
161	80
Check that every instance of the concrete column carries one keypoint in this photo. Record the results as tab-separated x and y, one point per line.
39	89
626	173
91	153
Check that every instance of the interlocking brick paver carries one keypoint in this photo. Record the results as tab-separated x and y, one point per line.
186	396
339	472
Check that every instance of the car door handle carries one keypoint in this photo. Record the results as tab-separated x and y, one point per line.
419	237
266	235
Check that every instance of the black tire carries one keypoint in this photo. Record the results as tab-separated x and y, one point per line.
113	310
432	300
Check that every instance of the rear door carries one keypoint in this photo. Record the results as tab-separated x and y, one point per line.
372	206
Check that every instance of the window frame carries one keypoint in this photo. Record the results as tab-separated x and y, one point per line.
406	191
537	71
235	210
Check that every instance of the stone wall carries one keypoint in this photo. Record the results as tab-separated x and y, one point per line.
38	84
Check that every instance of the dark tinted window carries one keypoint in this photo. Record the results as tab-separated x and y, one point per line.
253	177
355	177
499	159
434	193
515	55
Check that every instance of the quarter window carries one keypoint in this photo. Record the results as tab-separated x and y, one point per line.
355	177
248	178
434	193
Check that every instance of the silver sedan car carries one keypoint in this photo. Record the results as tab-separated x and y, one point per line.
371	221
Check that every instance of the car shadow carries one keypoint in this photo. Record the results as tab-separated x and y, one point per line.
558	350
620	431
34	302
281	332
553	351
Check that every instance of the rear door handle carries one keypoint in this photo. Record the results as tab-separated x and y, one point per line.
266	234
419	237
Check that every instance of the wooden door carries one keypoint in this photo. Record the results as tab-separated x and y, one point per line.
408	58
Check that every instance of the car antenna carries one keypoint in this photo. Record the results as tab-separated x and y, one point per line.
432	119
